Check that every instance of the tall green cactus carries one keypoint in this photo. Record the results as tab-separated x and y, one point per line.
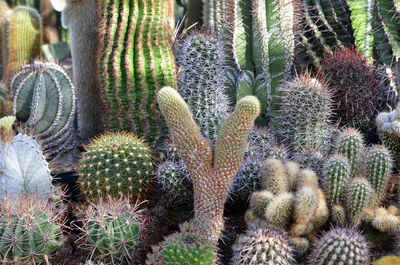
4	8
135	61
360	195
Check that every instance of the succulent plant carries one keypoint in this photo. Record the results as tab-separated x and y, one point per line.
116	164
44	99
340	246
3	98
359	195
263	245
387	260
350	144
274	178
386	219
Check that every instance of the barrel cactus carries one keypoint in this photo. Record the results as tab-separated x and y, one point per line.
44	99
116	164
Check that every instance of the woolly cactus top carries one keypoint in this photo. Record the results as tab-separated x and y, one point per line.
389	122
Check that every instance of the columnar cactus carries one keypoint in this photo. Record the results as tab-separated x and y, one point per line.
263	245
3	98
360	195
112	230
29	231
207	165
4	8
350	144
116	164
44	99
340	246
135	61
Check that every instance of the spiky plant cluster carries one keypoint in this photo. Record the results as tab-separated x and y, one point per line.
116	164
354	86
112	230
44	99
290	198
340	246
263	245
29	230
387	219
211	169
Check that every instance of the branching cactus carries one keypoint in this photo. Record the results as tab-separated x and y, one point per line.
135	61
116	164
23	26
263	245
340	246
208	166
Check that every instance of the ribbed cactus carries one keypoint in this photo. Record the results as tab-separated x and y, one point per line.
22	40
350	144
23	168
3	98
116	164
387	260
263	245
387	219
340	246
274	178
4	8
112	230
359	195
304	114
29	231
44	99
135	61
211	169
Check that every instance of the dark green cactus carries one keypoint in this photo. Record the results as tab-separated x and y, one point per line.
359	196
3	98
4	8
350	144
135	61
336	175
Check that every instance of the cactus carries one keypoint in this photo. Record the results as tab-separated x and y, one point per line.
112	230
387	260
336	175
385	219
304	113
218	165
313	158
29	231
279	210
263	245
354	86
340	246
360	195
116	164
4	8
23	168
183	248
350	144
274	176
304	206
135	61
3	98
44	99
23	26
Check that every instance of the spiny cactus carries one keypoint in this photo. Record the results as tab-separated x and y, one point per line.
350	144
44	99
386	219
274	176
359	195
29	231
340	246
3	98
23	26
208	166
263	245
387	260
135	61
354	86
116	164
4	8
304	114
112	230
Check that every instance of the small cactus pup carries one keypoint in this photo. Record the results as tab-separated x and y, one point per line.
211	168
263	245
23	168
30	230
44	100
340	246
116	164
112	229
354	86
181	248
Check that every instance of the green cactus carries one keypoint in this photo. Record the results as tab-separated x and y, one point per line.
263	245
23	25
350	144
259	201
386	219
359	195
218	166
340	246
4	8
44	99
3	98
336	175
279	211
29	231
304	206
116	164
135	61
112	230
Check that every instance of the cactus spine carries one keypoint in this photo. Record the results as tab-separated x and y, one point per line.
218	165
135	61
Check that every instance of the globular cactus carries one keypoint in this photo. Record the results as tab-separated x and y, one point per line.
340	246
23	26
44	99
350	144
116	164
211	169
29	231
182	248
112	230
274	178
387	260
135	61
387	219
305	113
263	245
23	168
354	86
359	196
